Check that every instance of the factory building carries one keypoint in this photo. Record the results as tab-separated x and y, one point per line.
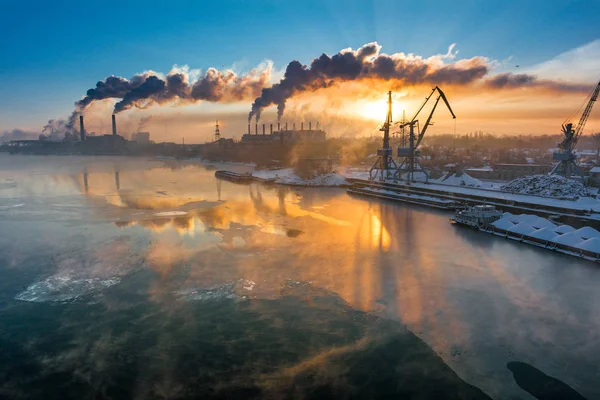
285	135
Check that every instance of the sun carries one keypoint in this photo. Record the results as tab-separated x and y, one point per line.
375	110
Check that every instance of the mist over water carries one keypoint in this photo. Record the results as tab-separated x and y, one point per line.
134	278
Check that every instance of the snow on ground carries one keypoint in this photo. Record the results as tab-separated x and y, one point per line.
459	179
547	186
287	176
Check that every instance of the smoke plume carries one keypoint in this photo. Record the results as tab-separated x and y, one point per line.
149	88
368	63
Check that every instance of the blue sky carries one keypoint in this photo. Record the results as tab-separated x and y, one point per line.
52	52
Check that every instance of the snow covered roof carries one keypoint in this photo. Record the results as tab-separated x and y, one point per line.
595	170
544	234
522	228
542	223
529	218
564	229
503	223
592	244
570	239
587	232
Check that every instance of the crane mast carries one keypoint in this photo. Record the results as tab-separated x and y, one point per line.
410	164
385	167
567	159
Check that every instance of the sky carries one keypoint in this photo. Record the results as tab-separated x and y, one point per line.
53	52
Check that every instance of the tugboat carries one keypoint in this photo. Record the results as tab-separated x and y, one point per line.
477	216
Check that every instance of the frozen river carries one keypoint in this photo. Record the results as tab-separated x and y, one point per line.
133	278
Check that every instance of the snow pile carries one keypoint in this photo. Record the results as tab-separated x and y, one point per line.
587	232
528	226
522	228
288	177
459	179
544	234
592	244
547	186
569	239
564	229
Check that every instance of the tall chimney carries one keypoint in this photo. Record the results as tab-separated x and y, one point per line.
271	129
293	125
114	123
248	129
263	129
317	125
302	126
81	129
278	126
310	126
256	129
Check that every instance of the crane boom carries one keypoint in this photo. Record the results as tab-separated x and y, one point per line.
428	122
586	114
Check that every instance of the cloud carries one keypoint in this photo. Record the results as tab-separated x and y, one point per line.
181	86
368	63
577	65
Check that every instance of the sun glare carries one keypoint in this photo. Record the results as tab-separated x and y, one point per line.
376	110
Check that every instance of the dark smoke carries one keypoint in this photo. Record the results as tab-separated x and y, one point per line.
368	63
509	81
365	63
152	87
146	89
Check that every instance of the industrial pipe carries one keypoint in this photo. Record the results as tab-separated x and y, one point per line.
114	125
81	129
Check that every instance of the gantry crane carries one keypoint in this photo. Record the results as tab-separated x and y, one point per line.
567	159
411	164
385	167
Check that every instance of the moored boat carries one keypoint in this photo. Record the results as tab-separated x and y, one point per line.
478	216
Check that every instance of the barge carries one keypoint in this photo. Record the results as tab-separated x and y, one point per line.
533	230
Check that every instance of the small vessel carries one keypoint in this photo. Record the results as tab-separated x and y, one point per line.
477	216
234	176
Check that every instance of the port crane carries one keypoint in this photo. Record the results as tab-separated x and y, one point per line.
385	167
411	164
567	159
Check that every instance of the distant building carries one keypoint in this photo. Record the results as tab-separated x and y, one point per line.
508	172
594	177
287	137
141	137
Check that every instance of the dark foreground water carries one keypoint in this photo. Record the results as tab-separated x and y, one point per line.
134	279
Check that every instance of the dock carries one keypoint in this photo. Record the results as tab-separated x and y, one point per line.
438	194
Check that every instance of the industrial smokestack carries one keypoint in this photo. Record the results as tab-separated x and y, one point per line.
271	129
286	126
114	124
293	125
310	126
81	129
248	129
317	125
301	126
263	129
278	127
256	129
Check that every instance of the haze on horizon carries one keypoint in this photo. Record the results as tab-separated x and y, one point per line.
186	66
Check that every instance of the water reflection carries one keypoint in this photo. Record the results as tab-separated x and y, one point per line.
478	301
